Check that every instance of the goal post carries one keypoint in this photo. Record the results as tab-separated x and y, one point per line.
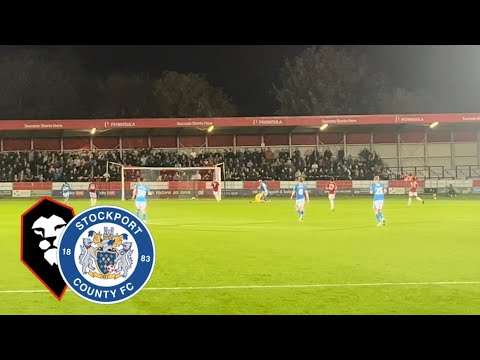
174	182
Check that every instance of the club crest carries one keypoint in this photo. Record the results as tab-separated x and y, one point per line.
106	254
41	227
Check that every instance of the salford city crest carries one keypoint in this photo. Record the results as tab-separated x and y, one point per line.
106	254
42	226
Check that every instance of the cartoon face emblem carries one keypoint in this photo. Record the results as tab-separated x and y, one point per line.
49	229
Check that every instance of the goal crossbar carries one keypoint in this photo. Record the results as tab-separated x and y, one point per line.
139	171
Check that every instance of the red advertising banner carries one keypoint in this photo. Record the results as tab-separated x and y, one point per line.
341	184
404	183
32	186
254	184
187	185
204	123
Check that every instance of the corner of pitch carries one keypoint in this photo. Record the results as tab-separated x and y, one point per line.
102	294
102	216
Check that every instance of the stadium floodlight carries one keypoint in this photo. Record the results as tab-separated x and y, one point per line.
93	131
432	125
210	128
323	127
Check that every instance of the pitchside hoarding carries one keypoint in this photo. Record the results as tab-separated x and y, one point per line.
182	190
5	193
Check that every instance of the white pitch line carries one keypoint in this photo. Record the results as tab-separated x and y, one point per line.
244	227
296	227
207	224
21	291
305	286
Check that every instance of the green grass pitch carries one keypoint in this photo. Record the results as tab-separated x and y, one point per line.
241	258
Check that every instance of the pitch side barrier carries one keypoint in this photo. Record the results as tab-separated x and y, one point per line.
202	190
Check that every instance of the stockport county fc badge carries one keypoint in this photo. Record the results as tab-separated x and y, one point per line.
106	254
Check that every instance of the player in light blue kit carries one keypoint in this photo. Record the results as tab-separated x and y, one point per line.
263	189
66	191
300	191
378	191
140	192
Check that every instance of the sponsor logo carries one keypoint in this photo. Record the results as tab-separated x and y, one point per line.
122	124
194	123
268	122
6	193
43	126
470	118
339	121
21	193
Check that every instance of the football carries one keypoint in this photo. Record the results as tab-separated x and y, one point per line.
110	268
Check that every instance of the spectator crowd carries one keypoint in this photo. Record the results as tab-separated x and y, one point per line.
247	164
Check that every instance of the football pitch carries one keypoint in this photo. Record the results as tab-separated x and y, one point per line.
235	257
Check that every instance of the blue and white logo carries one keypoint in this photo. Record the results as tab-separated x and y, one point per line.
106	254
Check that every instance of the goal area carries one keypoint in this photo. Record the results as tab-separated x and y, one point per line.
173	182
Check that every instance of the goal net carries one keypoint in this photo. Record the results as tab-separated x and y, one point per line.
173	182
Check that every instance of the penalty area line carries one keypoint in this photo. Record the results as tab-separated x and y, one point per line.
299	286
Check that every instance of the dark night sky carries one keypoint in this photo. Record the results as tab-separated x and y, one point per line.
246	72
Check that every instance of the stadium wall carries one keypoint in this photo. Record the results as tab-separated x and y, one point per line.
201	189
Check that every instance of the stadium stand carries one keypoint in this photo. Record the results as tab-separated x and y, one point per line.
54	166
